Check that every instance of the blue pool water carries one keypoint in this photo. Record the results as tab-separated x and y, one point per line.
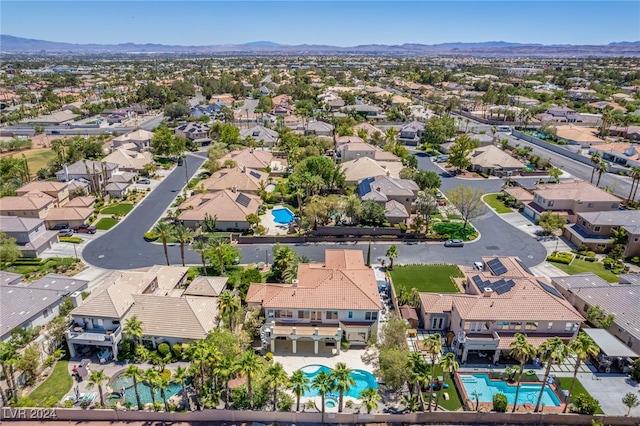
282	215
145	392
363	379
487	388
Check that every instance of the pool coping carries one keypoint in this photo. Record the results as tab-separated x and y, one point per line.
332	394
528	407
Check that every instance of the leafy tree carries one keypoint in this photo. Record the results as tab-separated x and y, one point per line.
427	179
8	359
329	173
500	403
165	143
555	173
599	317
584	403
635	370
353	208
226	133
370	398
29	363
468	201
552	222
176	110
426	206
460	150
438	130
9	250
582	347
299	384
372	213
630	400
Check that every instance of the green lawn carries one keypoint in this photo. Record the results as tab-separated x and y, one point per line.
106	223
426	278
37	159
497	205
565	383
579	266
454	402
56	386
123	208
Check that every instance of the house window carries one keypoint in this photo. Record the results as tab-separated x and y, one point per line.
586	307
316	315
350	314
531	326
501	325
284	314
571	326
596	229
303	314
332	315
435	323
371	316
45	313
551	202
476	327
635	240
584	223
590	205
515	325
614	205
549	325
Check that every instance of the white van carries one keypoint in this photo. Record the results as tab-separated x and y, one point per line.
505	129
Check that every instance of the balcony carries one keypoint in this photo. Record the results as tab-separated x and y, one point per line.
94	336
585	237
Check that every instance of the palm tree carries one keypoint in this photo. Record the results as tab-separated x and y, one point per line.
410	403
8	357
370	398
299	384
164	231
582	347
181	375
228	305
218	246
595	160
226	369
449	366
136	374
433	345
392	253
324	384
602	168
133	329
419	376
523	351
151	376
277	377
476	397
200	247
97	378
552	351
184	236
248	365
635	176
341	375
163	385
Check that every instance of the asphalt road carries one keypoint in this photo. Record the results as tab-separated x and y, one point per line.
125	248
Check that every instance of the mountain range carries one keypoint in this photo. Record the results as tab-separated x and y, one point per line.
12	44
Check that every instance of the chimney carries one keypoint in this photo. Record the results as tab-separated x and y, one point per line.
244	169
487	292
295	282
388	173
234	189
378	188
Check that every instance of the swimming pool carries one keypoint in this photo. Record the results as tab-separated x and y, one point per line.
487	388
126	383
282	215
363	379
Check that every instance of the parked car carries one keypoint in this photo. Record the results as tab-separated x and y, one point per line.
59	226
441	158
85	229
454	243
478	266
180	160
67	232
144	181
442	202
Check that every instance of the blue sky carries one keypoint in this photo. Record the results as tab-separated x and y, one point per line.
322	22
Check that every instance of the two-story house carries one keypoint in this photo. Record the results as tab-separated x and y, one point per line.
58	190
153	298
241	178
411	133
318	128
33	205
328	302
625	153
595	230
262	135
352	150
193	131
94	172
570	197
501	300
229	207
140	138
31	235
397	195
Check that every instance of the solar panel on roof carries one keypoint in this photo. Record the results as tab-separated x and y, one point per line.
550	289
255	174
243	200
365	186
478	281
496	266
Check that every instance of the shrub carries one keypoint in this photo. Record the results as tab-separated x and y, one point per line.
500	403
177	351
584	404
559	259
590	259
48	361
166	374
635	370
453	230
164	349
150	236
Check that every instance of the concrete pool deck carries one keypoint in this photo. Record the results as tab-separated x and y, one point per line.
270	225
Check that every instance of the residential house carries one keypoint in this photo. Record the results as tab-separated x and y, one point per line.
283	108
501	300
229	208
604	104
318	128
71	216
494	161
627	132
241	179
94	172
59	191
31	235
118	115
193	131
83	201
370	112
262	135
140	138
622	300
582	136
153	298
627	154
397	195
129	161
365	167
34	205
254	159
53	119
29	305
354	150
581	94
369	128
595	230
570	197
411	133
327	302
400	100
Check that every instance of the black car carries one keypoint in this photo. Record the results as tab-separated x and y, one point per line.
60	226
